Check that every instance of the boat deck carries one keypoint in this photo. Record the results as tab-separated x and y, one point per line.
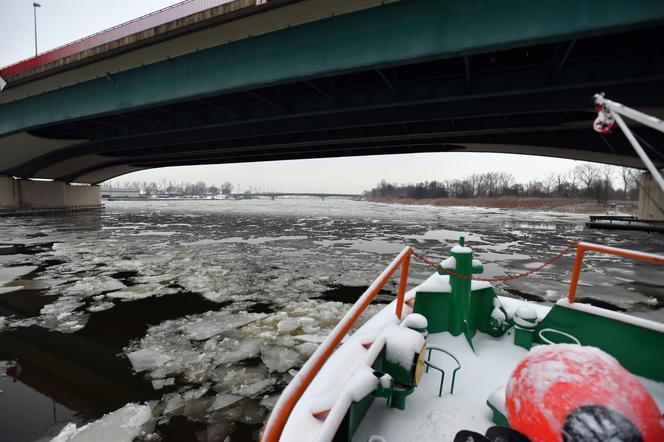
428	417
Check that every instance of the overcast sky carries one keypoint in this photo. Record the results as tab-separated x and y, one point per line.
62	21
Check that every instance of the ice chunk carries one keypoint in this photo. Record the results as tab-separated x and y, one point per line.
269	401
142	291
174	403
10	289
307	349
158	384
8	274
233	350
288	325
223	400
122	425
279	359
255	388
552	295
195	393
215	323
145	359
100	306
61	314
94	285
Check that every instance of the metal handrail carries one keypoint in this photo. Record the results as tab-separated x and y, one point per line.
553	330
582	247
442	372
299	384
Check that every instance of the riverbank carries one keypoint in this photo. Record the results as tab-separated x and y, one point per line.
570	205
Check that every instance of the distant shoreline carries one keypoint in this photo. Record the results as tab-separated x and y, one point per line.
572	205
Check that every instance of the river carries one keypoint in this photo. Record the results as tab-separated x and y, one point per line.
204	309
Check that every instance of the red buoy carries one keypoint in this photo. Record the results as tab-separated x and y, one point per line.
574	393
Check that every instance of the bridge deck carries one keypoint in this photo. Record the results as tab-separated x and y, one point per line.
164	23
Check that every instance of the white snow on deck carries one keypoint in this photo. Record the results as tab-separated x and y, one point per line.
428	417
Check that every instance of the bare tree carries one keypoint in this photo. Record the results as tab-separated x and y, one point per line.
226	188
548	184
628	179
587	174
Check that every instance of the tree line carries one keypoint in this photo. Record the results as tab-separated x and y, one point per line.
168	187
583	181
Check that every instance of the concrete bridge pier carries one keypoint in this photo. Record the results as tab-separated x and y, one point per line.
17	194
651	198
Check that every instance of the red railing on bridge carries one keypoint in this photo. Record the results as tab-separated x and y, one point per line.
156	18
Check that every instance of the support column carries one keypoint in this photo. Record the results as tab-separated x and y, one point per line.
18	194
7	193
651	198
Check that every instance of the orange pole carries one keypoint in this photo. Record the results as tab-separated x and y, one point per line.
624	253
575	273
274	432
403	281
649	257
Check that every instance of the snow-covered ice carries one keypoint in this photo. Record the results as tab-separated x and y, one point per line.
122	425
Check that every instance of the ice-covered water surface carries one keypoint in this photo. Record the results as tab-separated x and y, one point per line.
207	307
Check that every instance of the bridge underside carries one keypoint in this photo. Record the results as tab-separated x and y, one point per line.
534	99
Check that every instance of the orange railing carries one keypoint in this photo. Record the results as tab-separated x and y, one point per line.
292	394
582	247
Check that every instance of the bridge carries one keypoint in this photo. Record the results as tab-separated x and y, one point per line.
275	195
218	81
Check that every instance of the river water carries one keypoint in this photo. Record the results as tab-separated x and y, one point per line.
203	310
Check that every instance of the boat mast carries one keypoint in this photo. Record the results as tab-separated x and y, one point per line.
609	113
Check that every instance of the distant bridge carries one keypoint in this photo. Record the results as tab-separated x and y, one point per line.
275	195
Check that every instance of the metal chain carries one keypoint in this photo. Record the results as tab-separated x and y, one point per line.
427	261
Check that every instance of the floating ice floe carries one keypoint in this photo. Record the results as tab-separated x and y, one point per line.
10	289
122	425
214	323
8	274
61	315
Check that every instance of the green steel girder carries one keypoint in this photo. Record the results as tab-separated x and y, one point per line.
389	35
600	72
442	116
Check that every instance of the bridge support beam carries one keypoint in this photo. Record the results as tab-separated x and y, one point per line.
18	194
651	198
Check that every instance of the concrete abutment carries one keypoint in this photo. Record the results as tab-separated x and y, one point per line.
18	194
651	198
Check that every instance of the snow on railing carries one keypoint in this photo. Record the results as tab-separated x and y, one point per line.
582	247
296	388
